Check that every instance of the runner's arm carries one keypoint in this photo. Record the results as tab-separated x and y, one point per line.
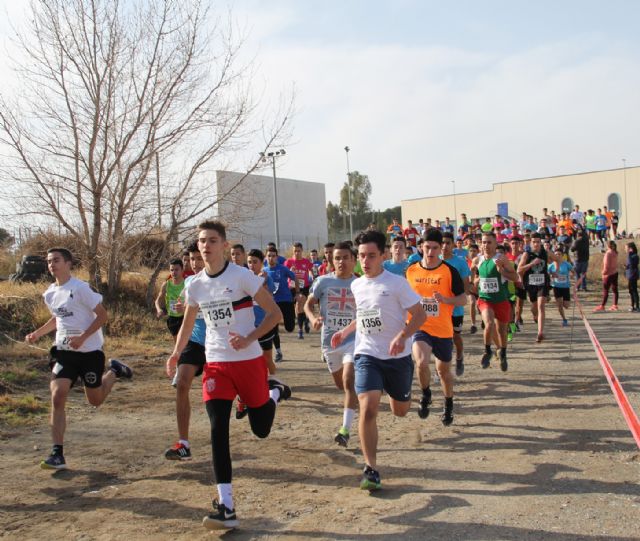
316	321
48	327
160	305
271	318
339	336
508	271
101	318
183	337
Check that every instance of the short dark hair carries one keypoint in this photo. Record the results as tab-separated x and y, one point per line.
214	225
272	249
536	236
434	235
66	254
297	245
344	245
238	247
400	239
256	253
375	237
447	235
489	234
329	245
176	261
474	246
193	248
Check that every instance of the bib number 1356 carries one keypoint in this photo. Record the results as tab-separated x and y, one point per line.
370	321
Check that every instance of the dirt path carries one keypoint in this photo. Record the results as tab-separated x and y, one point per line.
539	453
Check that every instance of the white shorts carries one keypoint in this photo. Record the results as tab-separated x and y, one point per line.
335	358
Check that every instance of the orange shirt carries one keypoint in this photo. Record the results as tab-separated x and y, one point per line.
425	282
568	226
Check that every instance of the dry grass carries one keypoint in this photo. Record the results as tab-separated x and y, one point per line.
20	410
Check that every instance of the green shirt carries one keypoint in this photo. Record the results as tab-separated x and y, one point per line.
590	221
486	227
493	287
171	297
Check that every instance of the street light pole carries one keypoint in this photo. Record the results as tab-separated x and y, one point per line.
626	217
273	156
455	210
346	149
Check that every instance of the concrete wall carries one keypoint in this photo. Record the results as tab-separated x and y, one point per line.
248	210
589	190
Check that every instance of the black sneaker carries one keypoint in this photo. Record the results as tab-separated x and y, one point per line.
482	325
342	437
447	417
486	359
178	452
504	365
423	410
370	479
473	329
285	390
278	358
222	518
241	410
459	367
53	462
120	369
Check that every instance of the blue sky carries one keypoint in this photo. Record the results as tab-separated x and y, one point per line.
425	92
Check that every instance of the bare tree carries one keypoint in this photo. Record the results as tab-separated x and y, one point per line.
125	110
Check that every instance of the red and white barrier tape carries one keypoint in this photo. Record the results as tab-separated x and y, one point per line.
618	392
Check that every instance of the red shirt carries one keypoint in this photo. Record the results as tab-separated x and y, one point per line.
411	234
301	268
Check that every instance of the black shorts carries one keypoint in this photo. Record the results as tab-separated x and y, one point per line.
442	348
563	293
266	341
521	293
303	290
73	364
457	323
537	291
173	324
193	353
288	314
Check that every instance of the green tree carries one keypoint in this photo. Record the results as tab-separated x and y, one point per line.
360	205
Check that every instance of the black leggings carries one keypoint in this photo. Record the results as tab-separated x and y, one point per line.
219	412
633	292
289	318
610	282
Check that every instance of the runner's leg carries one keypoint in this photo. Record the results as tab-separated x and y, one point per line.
369	403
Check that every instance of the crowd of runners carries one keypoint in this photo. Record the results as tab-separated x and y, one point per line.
386	304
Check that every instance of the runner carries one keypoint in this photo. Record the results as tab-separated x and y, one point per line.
418	255
190	365
186	265
238	255
493	270
533	269
281	276
457	318
337	311
77	316
394	230
382	356
315	260
398	263
601	228
472	296
299	286
169	295
411	234
560	271
327	264
441	289
521	293
235	364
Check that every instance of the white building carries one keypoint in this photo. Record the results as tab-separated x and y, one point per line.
247	208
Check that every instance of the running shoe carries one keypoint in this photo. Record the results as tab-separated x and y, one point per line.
300	335
278	358
447	417
370	479
53	462
539	338
178	452
241	410
307	328
222	518
565	323
459	367
485	362
174	381
599	309
614	308
504	365
285	390
423	410
482	325
473	329
342	437
120	369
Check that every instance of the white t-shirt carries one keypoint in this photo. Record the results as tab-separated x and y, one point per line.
226	302
381	310
72	304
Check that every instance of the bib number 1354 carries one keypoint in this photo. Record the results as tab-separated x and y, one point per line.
370	321
218	313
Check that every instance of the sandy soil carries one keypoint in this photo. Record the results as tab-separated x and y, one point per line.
541	452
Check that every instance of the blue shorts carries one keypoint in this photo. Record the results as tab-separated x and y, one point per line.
391	375
442	348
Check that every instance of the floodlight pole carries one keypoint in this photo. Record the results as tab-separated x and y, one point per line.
346	149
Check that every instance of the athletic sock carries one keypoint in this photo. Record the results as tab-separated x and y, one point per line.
487	348
57	450
427	393
225	495
185	443
347	417
448	403
274	394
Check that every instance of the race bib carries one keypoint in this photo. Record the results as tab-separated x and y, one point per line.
63	336
218	313
369	321
431	307
337	320
489	285
300	283
536	279
172	306
562	279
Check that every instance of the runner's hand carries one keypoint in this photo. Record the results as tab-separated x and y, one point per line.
159	313
76	342
238	341
397	344
179	307
316	323
437	296
171	364
336	339
31	338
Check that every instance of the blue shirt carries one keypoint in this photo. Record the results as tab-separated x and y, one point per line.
563	274
413	258
461	252
199	332
396	268
601	222
258	312
280	276
461	266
